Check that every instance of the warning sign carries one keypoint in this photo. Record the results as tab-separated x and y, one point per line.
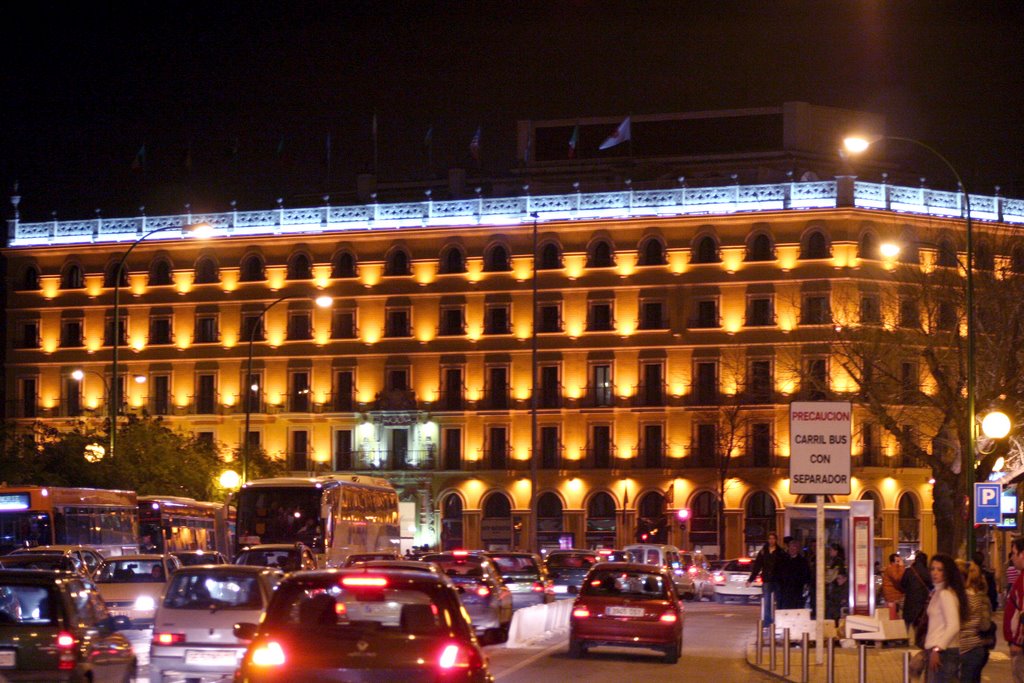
820	436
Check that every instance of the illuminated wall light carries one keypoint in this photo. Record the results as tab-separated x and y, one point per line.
424	272
49	285
93	285
473	393
678	389
474	269
276	276
627	328
137	282
275	336
523	331
93	344
625	264
183	281
677	451
138	343
788	257
575	484
787	322
321	337
574	264
573	391
732	259
733	324
229	280
229	399
574	328
522	269
321	276
474	332
677	261
786	386
522	393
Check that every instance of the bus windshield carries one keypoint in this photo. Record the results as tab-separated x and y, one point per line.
24	530
280	514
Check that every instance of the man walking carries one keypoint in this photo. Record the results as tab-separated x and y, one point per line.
891	590
1013	618
767	565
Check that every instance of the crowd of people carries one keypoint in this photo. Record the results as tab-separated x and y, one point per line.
947	604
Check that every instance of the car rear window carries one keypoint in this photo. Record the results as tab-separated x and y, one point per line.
457	566
132	571
27	605
366	557
737	566
49	562
516	564
571	561
618	583
282	559
379	604
192	559
213	591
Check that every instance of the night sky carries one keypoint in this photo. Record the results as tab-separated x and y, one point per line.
236	102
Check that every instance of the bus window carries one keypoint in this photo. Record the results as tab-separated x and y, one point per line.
23	529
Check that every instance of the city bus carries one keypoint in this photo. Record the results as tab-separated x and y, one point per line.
335	515
172	523
51	515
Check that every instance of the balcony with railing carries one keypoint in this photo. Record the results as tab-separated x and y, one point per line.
396	399
550	397
651	455
204	404
423	460
493	399
496	458
449	400
341	402
762	458
599	397
649	396
602	456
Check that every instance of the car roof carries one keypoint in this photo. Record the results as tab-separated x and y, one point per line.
37	575
502	553
359	570
572	551
630	567
225	568
133	558
274	546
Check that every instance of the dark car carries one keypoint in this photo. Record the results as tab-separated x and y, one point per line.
192	558
567	569
627	605
51	562
481	588
362	625
287	557
55	627
526	577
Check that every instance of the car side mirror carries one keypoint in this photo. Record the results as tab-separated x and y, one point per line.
245	631
573	590
119	622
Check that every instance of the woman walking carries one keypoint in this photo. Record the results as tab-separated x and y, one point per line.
973	645
947	610
916	585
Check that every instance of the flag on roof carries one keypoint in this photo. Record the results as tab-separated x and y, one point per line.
573	142
474	144
139	163
621	134
428	139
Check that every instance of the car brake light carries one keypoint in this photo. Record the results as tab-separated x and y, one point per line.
538	587
483	591
268	654
373	581
718	578
758	581
669	617
65	640
66	645
340	609
692	570
168	638
459	553
580	613
604	552
456	657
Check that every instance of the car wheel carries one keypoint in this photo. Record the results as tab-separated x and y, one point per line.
132	672
672	653
576	649
689	597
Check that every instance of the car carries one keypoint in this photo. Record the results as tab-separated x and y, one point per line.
287	557
731	581
696	567
626	604
406	565
607	555
526	577
481	588
567	568
131	585
68	564
90	557
668	556
356	558
193	630
362	624
191	558
55	627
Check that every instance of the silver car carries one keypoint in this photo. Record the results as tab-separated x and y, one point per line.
481	589
193	627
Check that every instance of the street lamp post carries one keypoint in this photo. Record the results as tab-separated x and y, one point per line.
856	145
534	523
78	374
200	231
323	301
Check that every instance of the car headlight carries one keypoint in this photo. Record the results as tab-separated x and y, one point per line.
144	603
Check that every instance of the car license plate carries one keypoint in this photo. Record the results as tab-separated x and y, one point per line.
561	589
738	578
120	612
624	611
7	659
210	657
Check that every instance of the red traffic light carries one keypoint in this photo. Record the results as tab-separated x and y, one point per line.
683	514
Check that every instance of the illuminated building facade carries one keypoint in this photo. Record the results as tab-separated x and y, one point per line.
659	313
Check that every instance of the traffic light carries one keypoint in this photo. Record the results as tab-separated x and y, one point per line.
683	516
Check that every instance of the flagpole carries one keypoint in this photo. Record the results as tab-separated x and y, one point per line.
376	169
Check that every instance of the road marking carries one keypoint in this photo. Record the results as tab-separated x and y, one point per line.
530	660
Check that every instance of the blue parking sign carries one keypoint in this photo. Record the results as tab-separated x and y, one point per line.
987	498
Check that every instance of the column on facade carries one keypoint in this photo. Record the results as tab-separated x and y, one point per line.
471	528
574	522
734	523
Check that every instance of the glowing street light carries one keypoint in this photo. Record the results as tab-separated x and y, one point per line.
229	479
889	249
995	425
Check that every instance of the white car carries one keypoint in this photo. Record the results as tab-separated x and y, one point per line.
193	631
731	581
131	585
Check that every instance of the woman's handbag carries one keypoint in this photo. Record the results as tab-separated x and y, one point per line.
918	662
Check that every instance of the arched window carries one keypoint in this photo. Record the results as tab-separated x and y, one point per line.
946	256
497	260
160	273
71	277
816	246
344	265
761	249
206	271
868	246
110	275
453	261
984	259
451	522
652	523
550	257
601	521
497	535
1016	259
397	263
910	525
705	250
29	279
299	267
601	255
704	519
877	514
760	521
652	252
549	520
252	269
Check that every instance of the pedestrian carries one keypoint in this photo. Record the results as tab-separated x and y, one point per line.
947	610
891	590
835	563
916	586
974	632
990	579
1011	572
837	597
1013	615
794	576
767	565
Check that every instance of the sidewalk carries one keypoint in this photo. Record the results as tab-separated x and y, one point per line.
883	665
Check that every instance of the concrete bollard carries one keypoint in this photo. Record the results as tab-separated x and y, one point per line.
862	663
830	661
805	657
771	647
759	642
785	651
